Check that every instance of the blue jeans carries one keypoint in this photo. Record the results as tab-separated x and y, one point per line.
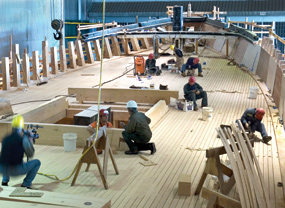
198	66
256	126
30	168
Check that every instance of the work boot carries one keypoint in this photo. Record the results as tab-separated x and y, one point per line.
131	152
28	187
266	139
195	108
190	74
183	74
152	148
4	183
200	74
99	151
204	106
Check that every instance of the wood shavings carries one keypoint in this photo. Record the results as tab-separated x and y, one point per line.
193	149
148	163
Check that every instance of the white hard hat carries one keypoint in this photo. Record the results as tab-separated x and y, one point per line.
132	104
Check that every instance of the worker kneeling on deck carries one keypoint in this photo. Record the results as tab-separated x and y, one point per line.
193	91
191	65
12	153
150	65
251	121
137	132
103	121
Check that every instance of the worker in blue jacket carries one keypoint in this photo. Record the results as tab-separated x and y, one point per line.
192	64
251	121
179	57
193	91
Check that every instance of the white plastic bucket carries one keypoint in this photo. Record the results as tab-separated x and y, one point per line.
69	142
253	92
207	113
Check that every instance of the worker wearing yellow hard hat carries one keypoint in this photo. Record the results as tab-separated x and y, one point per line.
14	146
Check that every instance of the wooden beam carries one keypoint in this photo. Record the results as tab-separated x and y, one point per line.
125	45
45	53
89	53
16	66
5	73
36	66
53	55
79	52
97	49
62	53
107	49
145	44
222	200
135	44
123	95
71	55
116	50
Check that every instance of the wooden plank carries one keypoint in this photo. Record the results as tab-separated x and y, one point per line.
62	53
71	55
53	198
45	54
16	66
53	56
125	44
107	49
222	200
157	112
89	53
79	52
123	95
97	49
36	66
26	69
5	73
116	50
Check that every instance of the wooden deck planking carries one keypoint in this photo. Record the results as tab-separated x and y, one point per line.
155	186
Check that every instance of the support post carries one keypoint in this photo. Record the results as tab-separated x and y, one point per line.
89	53
54	65
5	73
16	66
62	54
227	47
45	54
107	49
97	49
79	51
36	65
71	55
26	69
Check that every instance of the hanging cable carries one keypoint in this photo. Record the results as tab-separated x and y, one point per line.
94	136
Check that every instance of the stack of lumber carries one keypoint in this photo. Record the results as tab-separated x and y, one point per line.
247	172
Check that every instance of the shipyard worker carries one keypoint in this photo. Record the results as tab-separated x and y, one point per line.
193	91
151	65
251	121
192	64
137	132
103	121
14	146
179	57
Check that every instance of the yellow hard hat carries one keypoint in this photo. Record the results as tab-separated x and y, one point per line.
18	122
172	47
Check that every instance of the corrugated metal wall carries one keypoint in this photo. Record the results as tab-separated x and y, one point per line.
29	22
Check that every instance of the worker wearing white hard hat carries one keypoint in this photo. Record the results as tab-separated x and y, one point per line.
137	132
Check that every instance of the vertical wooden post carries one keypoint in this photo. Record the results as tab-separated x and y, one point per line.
5	73
36	66
16	67
26	69
97	49
214	12
115	46
62	53
189	10
71	55
145	43
196	46
89	53
45	53
227	47
53	55
229	22
107	49
10	47
218	13
252	26
125	45
79	51
245	25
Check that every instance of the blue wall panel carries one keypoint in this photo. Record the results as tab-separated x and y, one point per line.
29	22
